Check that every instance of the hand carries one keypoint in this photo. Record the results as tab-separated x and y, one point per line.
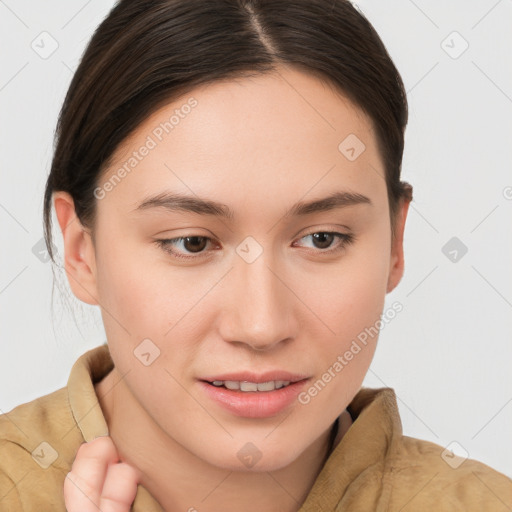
98	480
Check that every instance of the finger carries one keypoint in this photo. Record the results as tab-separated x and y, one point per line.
119	489
78	496
92	460
84	483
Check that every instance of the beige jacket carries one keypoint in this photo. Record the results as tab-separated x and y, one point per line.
373	468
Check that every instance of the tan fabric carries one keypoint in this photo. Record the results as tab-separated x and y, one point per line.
372	468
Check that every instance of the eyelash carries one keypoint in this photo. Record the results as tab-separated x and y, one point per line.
345	240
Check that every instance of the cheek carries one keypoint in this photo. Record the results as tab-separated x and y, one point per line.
140	291
349	294
150	306
350	302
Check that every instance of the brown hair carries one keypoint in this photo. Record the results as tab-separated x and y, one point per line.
147	52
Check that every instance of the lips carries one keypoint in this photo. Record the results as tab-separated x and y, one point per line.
254	404
254	395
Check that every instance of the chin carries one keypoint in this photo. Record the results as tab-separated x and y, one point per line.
254	458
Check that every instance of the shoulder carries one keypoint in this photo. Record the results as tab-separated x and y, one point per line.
38	443
426	476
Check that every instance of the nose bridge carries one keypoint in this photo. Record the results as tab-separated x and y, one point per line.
259	309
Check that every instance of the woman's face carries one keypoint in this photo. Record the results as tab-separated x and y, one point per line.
265	288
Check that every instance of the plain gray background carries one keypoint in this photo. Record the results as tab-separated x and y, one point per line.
448	354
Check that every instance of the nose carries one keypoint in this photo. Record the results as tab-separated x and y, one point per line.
259	312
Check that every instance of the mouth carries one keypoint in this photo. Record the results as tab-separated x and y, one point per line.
246	386
251	399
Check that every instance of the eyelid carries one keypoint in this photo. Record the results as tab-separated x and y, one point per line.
334	228
165	243
344	239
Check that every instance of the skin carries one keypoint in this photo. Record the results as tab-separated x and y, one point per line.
99	481
258	145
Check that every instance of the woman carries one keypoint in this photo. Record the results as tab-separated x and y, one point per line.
227	182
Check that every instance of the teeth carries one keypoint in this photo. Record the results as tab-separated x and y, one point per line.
251	386
266	386
248	386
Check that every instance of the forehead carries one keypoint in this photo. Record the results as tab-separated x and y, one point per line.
257	139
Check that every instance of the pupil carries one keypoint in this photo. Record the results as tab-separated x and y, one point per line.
321	236
193	247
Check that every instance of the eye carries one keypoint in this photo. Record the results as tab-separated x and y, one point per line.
323	240
196	245
193	244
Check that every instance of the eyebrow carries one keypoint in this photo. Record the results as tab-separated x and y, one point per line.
185	203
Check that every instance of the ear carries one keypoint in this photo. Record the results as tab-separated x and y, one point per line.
79	256
396	268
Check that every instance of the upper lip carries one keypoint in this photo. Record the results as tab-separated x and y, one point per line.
258	377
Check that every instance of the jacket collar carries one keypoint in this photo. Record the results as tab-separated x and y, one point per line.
371	440
89	368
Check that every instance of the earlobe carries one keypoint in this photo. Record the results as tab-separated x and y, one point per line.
396	269
79	256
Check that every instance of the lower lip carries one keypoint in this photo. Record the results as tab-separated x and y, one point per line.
254	404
